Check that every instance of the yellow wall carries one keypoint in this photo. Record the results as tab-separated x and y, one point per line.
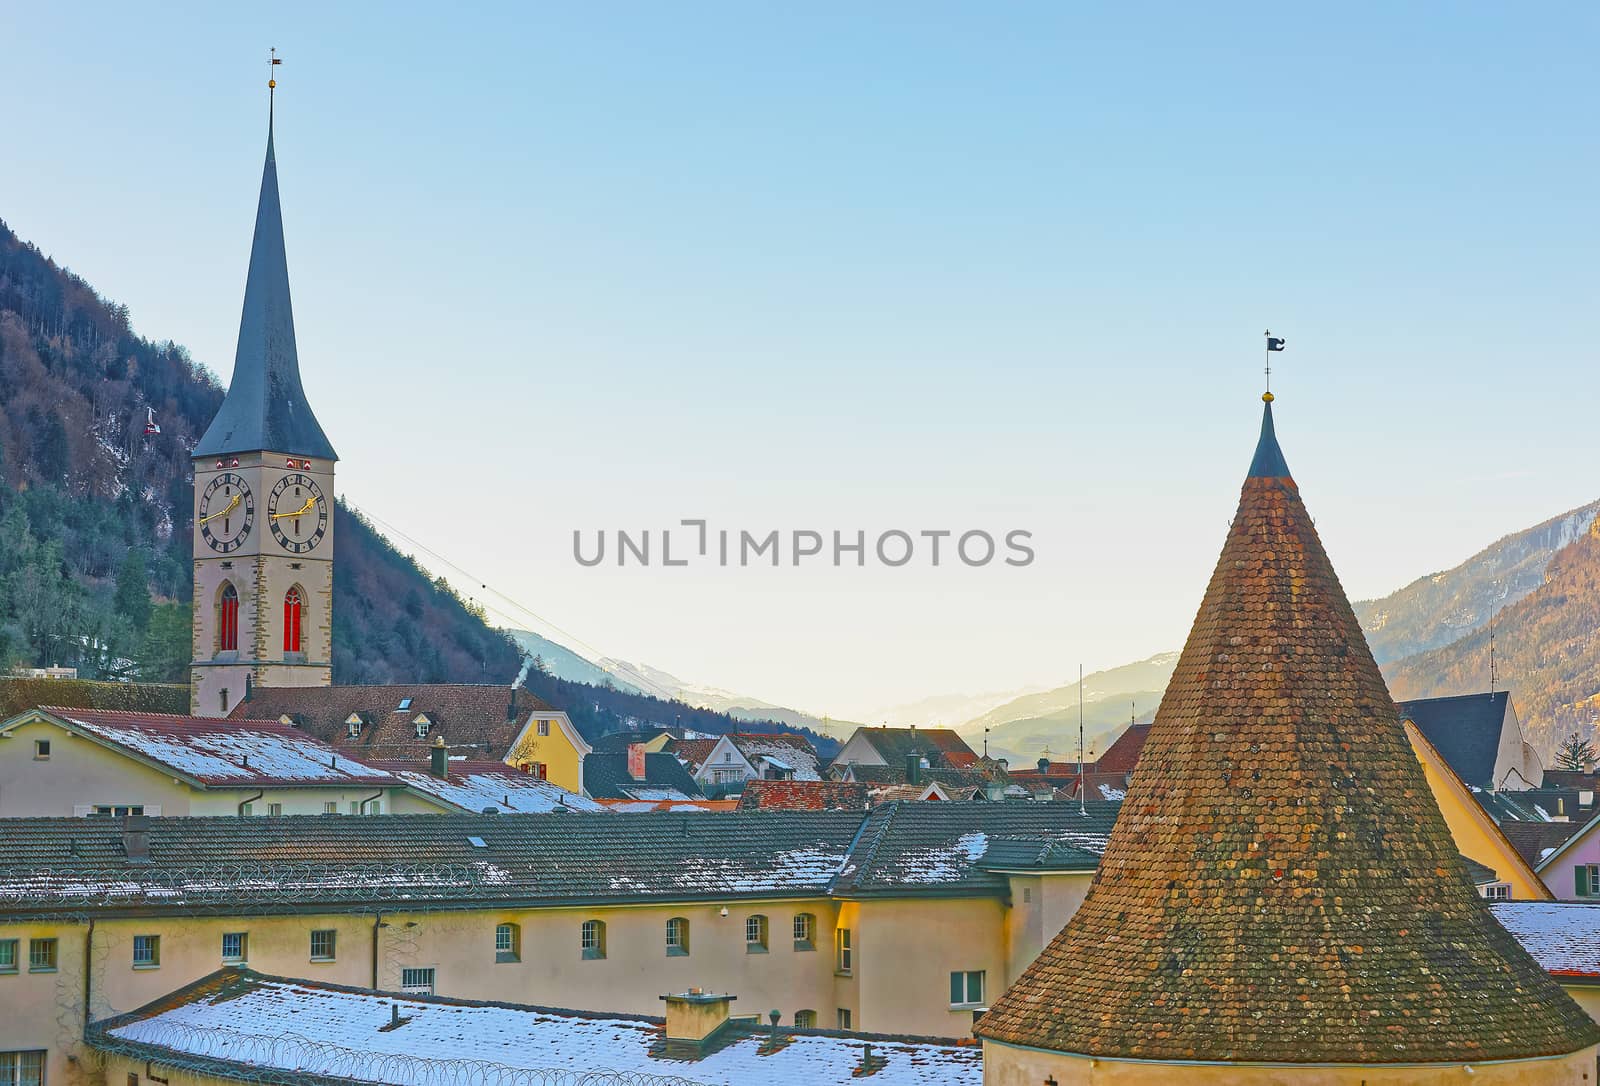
1006	1065
1475	834
906	949
1041	905
556	751
81	771
1586	996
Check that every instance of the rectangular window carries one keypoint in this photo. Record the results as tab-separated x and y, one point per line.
275	809
375	807
22	1068
755	934
355	806
41	955
844	1018
8	955
966	989
112	810
417	981
146	951
247	809
41	750
805	1019
844	954
1588	880
234	946
677	937
544	727
507	943
594	939
330	807
1497	891
323	945
805	931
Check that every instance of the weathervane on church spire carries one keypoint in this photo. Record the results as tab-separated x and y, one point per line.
1274	343
272	84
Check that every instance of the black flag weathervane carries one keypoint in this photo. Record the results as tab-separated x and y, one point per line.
1274	343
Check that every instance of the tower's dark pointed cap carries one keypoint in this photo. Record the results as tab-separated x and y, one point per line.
1268	462
266	406
1281	886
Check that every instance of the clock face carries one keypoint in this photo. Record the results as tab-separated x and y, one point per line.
298	513
227	511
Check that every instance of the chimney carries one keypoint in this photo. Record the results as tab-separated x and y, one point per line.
913	769
694	1017
636	768
440	766
136	838
1044	766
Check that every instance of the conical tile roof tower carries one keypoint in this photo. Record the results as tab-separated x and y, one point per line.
1280	886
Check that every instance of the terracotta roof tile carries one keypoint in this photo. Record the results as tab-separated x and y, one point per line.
1281	885
803	796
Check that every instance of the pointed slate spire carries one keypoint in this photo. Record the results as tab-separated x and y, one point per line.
266	406
1268	462
1280	885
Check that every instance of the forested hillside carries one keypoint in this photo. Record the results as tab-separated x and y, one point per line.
95	545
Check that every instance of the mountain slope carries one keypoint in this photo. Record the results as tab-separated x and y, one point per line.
95	517
1436	610
1546	647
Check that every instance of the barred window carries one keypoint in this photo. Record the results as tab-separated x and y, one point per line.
146	951
22	1068
507	943
323	944
805	1019
417	981
41	955
677	937
755	934
234	944
594	939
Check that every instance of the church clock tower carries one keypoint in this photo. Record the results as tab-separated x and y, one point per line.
263	502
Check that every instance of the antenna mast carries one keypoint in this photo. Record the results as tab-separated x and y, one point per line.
1083	788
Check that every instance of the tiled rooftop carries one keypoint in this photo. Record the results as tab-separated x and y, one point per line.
803	796
249	1026
475	786
1563	937
1281	886
231	753
471	717
55	866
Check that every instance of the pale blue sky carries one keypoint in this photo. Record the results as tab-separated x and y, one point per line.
844	266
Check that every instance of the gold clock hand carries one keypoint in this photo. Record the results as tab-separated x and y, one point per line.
311	503
233	504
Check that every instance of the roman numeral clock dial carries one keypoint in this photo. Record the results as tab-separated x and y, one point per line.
227	512
298	513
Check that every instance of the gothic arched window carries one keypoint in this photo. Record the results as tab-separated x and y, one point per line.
291	620
228	619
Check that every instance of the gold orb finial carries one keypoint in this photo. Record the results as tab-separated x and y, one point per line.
1267	397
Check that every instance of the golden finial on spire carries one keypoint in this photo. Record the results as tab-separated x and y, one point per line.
272	62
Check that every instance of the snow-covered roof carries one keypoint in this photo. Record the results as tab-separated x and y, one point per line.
787	752
476	786
239	1024
1564	937
221	753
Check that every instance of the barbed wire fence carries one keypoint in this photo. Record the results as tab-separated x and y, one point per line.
294	1060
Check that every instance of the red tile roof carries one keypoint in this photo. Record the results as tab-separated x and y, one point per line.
803	796
1281	886
691	752
1123	754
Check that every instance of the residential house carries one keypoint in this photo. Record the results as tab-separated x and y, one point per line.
637	775
1123	753
885	746
500	723
239	1026
59	761
1563	938
753	756
1481	738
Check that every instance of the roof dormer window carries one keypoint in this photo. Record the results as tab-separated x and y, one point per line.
424	725
352	726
